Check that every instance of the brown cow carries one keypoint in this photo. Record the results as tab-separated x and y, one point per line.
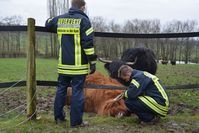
99	101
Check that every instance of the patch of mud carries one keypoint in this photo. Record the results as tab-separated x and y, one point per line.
180	108
17	98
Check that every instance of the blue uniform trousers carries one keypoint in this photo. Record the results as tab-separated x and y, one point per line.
143	112
77	98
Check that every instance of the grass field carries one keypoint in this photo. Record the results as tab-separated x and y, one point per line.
183	116
46	69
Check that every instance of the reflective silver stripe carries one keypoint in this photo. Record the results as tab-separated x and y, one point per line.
68	26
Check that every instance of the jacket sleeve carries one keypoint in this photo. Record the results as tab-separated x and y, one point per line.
87	35
137	87
51	24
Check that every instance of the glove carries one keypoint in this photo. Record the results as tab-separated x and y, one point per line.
124	97
92	68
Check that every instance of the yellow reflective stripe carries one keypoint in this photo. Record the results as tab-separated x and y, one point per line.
60	55
163	93
69	21
159	87
153	107
135	83
89	51
68	30
72	72
50	19
73	66
75	43
60	49
153	77
89	31
164	108
77	50
126	94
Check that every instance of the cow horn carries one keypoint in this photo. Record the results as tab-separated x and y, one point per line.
132	63
104	61
110	61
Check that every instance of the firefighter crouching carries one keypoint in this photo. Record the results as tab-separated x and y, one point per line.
146	97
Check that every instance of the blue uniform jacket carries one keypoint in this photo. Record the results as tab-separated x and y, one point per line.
75	36
147	88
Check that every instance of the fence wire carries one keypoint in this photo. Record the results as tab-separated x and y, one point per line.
17	116
2	92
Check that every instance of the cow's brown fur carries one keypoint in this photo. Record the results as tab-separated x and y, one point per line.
100	100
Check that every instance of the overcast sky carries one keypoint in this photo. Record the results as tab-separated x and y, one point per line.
118	10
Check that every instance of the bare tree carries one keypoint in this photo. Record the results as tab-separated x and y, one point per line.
190	25
101	44
115	44
56	7
11	41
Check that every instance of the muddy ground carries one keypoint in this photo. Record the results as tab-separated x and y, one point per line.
12	99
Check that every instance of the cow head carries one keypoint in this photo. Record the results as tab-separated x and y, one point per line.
137	58
114	108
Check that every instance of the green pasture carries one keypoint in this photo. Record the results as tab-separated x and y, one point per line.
46	69
183	115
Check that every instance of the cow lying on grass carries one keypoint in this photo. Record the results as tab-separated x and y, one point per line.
99	101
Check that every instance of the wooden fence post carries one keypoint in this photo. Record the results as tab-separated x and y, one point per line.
31	71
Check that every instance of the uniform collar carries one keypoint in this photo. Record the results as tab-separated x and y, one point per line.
134	73
73	10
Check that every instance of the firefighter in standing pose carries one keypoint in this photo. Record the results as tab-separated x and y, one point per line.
76	59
